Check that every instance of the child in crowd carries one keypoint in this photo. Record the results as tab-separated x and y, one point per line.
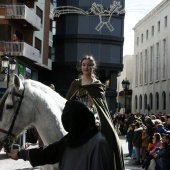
129	138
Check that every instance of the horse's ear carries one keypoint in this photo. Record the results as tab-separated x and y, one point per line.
18	82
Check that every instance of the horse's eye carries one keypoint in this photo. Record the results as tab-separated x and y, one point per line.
9	106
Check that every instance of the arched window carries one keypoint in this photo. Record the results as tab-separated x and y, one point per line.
145	101
157	100
164	100
136	102
140	102
151	101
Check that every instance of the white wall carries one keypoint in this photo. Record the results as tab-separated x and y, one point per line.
160	84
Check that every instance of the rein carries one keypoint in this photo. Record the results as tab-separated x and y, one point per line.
7	139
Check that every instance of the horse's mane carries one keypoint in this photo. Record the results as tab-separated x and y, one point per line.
39	88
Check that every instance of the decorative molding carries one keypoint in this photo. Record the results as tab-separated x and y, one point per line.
96	9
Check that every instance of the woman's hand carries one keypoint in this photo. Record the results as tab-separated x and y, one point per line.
13	155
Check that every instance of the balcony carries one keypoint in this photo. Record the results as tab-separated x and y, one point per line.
21	49
23	16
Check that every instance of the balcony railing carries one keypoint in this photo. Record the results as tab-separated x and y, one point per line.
23	12
20	49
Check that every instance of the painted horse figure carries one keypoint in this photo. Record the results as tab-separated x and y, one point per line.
28	102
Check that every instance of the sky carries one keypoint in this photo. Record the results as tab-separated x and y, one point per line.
135	10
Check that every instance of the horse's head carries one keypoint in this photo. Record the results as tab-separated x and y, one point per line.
11	120
28	102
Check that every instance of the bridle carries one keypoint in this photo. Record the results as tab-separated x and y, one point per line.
8	139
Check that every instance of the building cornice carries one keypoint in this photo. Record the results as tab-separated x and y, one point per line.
152	13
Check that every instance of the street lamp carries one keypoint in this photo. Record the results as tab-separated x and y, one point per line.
125	85
8	66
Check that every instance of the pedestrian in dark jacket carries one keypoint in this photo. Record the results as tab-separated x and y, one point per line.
83	148
137	142
129	138
150	128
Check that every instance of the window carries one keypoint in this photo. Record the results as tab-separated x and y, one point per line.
39	12
146	67
164	100
147	34
159	24
38	44
54	27
145	101
151	63
157	61
28	73
151	101
140	101
51	27
2	35
136	102
136	75
152	30
49	54
164	59
137	41
165	21
157	101
141	38
141	68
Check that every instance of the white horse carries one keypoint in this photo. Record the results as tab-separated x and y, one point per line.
28	102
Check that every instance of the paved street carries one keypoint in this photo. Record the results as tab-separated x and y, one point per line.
128	161
9	164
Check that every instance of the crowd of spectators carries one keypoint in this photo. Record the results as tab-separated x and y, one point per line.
148	136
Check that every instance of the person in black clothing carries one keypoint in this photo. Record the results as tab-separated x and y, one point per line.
83	142
129	138
150	127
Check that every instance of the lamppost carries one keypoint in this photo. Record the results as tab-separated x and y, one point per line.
8	66
125	85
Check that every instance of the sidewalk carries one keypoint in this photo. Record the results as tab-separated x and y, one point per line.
128	162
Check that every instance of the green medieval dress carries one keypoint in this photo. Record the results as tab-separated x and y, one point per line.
94	95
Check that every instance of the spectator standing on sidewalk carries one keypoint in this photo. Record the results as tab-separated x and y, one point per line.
145	143
137	142
129	138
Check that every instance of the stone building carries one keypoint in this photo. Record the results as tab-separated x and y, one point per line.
151	83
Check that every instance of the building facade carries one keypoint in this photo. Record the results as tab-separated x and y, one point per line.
151	92
31	23
76	36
